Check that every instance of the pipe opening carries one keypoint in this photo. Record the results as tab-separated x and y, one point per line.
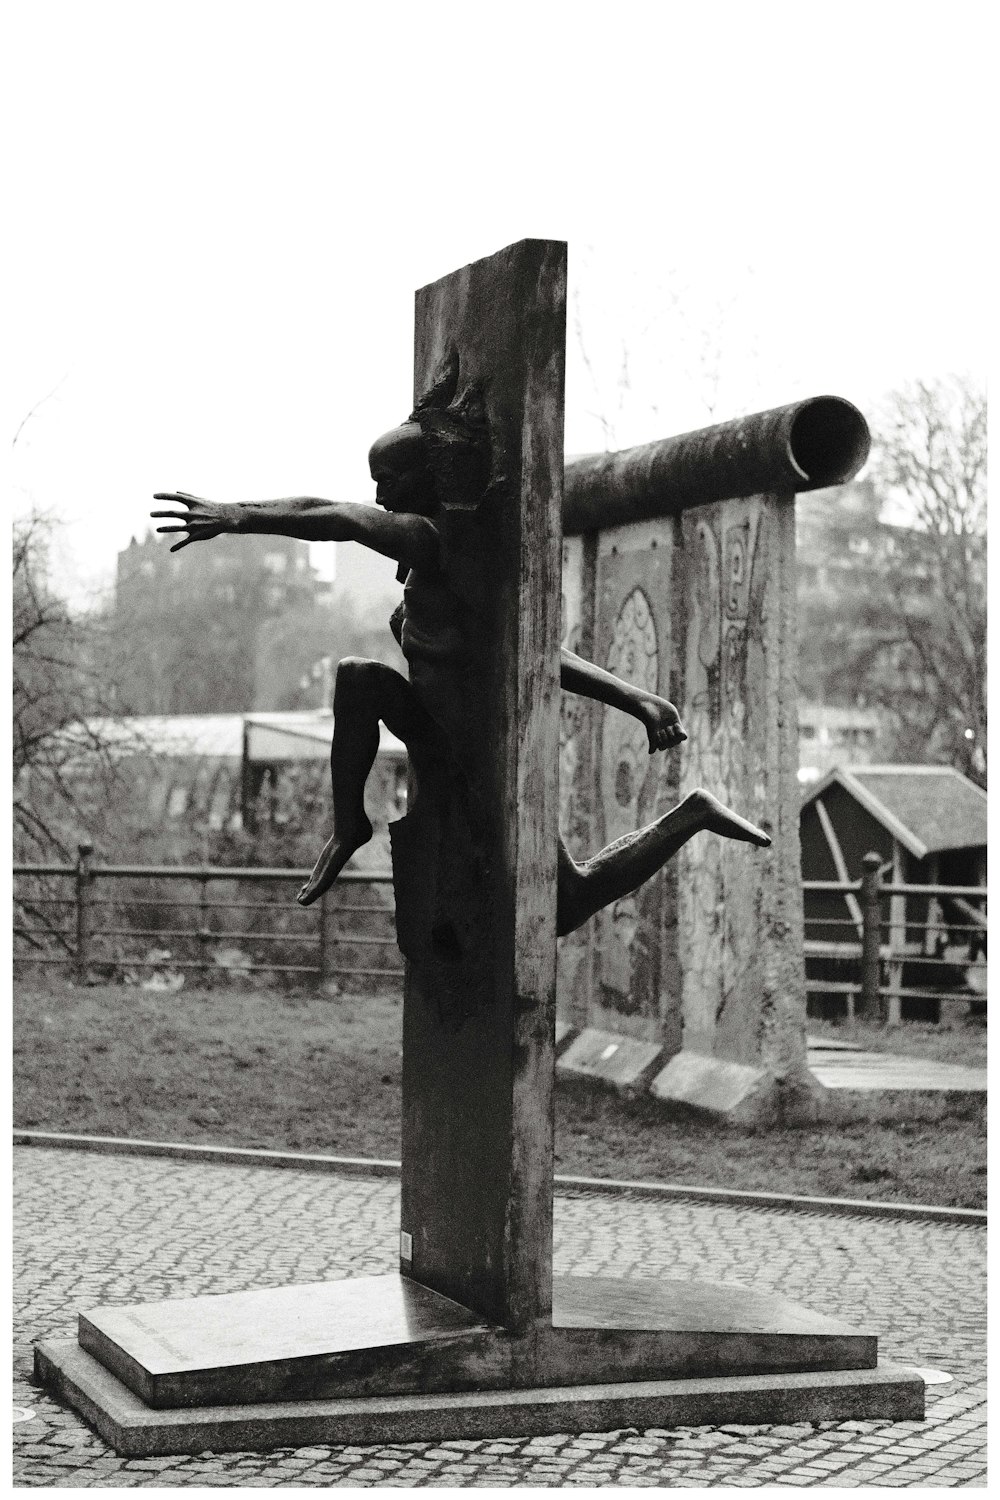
828	440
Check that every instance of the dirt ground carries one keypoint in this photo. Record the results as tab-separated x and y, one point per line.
301	1072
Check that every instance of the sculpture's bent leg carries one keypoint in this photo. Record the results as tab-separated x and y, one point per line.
624	865
365	692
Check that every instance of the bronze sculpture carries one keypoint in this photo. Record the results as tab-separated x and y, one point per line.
431	469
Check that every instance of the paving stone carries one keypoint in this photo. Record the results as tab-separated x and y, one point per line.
92	1229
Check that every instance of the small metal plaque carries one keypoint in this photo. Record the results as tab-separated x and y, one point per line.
405	1245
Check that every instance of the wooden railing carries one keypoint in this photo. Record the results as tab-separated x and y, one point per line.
118	920
898	942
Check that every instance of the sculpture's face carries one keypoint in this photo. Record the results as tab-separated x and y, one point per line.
398	464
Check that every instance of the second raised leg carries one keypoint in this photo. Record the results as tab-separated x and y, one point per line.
630	861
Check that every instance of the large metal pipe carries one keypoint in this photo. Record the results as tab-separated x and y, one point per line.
805	446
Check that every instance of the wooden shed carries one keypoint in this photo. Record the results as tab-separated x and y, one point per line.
928	823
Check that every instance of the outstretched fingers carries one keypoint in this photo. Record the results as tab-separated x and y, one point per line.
175	497
169	515
186	518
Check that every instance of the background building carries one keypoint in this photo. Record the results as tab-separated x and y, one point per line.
928	824
229	787
232	627
148	571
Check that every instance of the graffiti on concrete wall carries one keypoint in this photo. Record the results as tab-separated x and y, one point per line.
632	639
701	609
624	768
634	657
717	923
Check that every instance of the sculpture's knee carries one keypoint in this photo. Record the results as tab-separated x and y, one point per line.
699	801
355	675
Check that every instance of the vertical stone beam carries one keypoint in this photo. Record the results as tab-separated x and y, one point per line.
476	1216
740	911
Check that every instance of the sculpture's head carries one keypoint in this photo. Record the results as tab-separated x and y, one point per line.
399	465
440	456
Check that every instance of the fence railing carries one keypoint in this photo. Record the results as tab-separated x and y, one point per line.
64	915
899	942
121	919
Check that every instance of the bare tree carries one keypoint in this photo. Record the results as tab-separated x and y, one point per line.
65	770
635	350
919	649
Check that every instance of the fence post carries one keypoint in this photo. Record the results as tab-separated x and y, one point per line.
82	891
327	937
204	931
871	916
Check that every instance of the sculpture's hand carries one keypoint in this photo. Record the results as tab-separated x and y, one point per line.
662	723
203	520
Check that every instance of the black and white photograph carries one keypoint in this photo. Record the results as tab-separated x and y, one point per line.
499	744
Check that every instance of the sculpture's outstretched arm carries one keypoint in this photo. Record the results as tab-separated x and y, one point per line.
660	718
409	539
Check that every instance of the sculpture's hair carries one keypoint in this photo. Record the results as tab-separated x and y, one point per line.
456	431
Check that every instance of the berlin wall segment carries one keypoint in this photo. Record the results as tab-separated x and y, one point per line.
679	566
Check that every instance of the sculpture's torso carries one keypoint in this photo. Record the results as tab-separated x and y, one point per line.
434	622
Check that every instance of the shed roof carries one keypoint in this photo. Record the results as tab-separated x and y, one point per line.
291	735
927	808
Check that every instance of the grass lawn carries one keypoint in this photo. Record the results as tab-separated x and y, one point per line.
303	1073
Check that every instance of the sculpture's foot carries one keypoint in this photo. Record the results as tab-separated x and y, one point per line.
715	818
336	852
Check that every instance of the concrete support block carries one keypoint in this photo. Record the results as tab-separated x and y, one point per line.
619	1062
717	1087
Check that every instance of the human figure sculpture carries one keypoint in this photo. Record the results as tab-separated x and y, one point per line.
443	448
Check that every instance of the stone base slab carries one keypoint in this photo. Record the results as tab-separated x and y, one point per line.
135	1430
390	1336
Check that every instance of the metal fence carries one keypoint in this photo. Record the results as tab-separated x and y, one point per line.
116	921
897	948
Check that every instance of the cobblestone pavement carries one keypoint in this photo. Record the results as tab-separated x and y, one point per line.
92	1229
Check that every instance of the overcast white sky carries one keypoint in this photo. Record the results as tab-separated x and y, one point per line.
220	212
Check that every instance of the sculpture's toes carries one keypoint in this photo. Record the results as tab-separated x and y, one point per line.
336	853
722	820
735	827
